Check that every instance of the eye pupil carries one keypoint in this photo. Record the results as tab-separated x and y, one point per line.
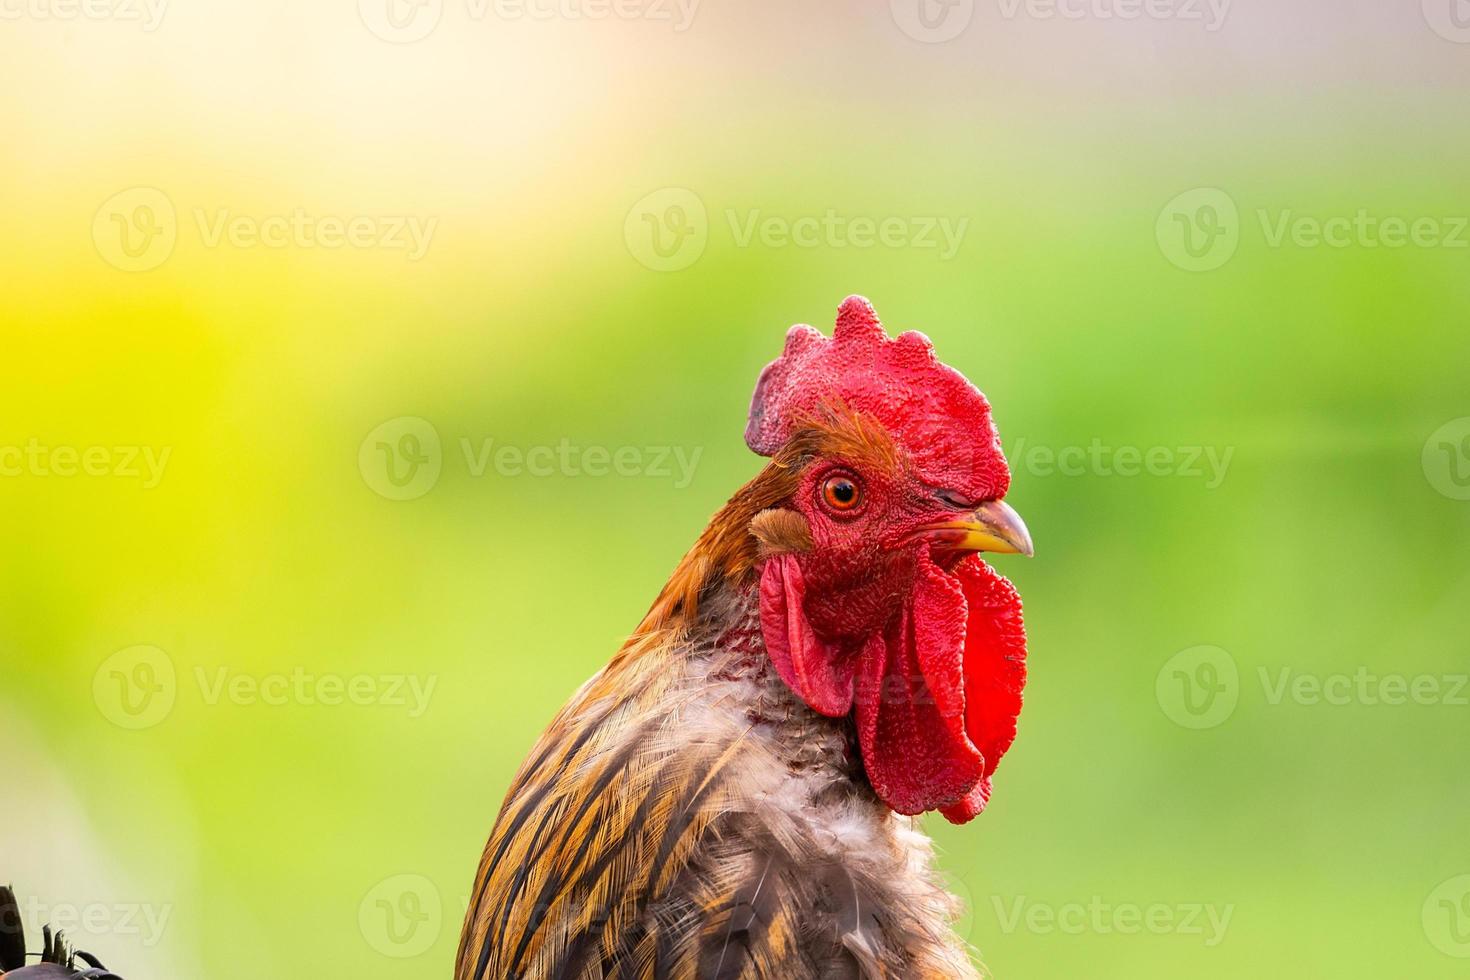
840	493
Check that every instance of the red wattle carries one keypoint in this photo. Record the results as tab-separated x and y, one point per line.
821	673
935	696
911	701
995	671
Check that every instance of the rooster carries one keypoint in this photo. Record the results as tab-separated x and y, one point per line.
734	794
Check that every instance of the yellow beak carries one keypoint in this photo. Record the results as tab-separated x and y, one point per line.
996	528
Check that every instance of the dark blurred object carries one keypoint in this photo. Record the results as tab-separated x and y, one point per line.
58	960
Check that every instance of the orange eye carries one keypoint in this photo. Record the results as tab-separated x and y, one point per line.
841	493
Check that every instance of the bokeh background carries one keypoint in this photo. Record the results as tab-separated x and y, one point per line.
280	613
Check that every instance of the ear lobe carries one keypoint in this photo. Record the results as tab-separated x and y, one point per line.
779	531
821	673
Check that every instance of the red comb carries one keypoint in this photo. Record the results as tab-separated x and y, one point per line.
929	408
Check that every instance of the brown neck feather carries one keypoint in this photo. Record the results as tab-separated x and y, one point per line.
729	548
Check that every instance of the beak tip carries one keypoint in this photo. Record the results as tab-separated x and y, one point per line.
1004	524
993	527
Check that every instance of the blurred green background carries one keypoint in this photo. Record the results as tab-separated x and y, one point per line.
257	715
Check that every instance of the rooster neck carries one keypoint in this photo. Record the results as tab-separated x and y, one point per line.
688	808
798	799
729	651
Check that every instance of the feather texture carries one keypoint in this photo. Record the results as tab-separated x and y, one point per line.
686	816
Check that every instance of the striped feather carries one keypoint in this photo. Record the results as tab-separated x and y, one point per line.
686	816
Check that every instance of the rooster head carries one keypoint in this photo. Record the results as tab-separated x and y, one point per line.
874	601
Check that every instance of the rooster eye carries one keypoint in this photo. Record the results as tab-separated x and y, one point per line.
840	493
